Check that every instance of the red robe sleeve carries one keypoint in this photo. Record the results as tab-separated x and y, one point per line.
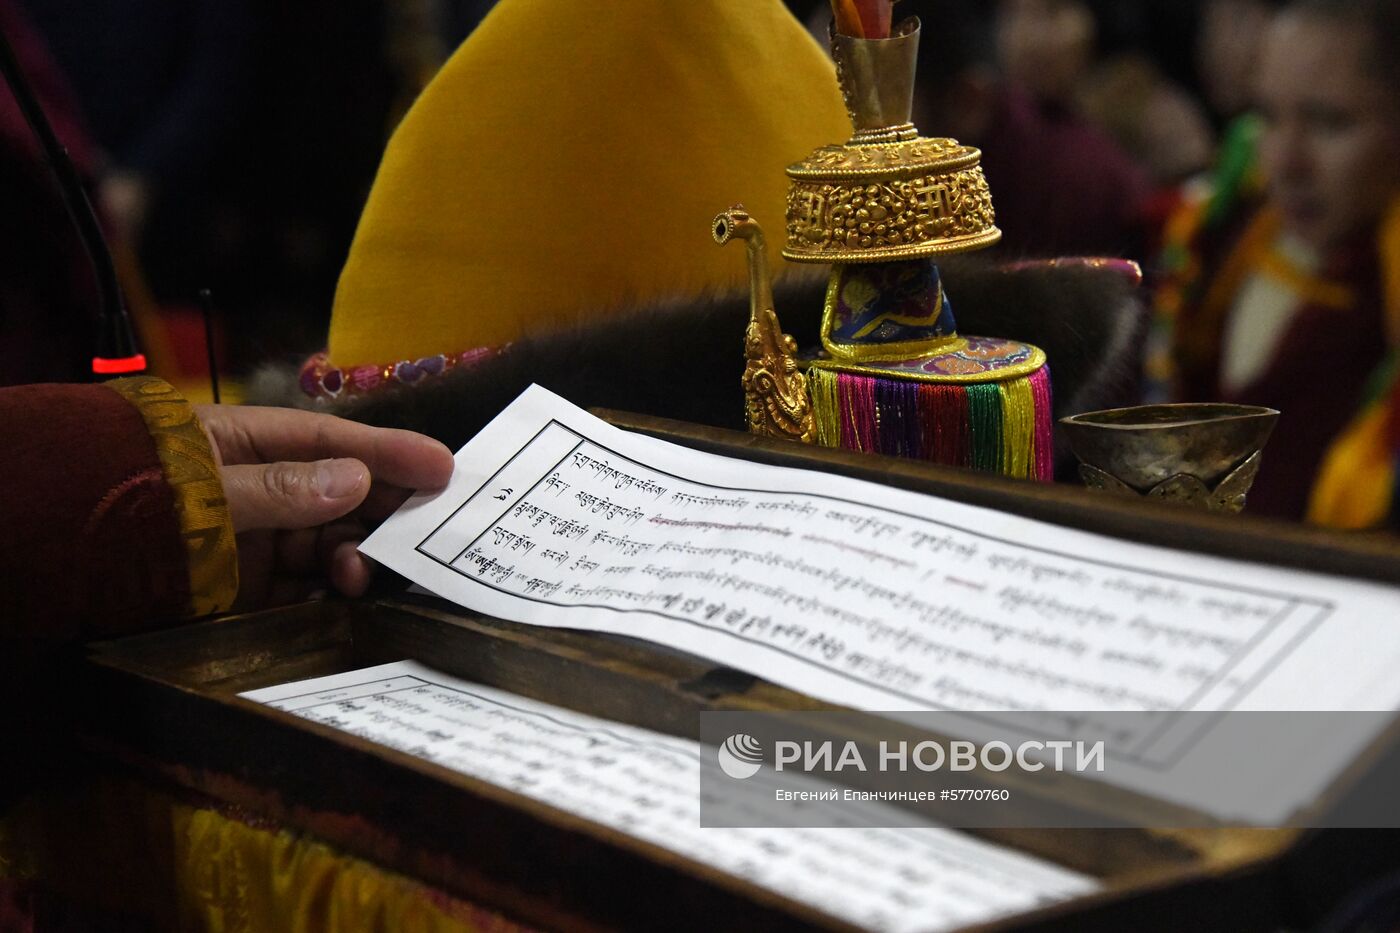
93	541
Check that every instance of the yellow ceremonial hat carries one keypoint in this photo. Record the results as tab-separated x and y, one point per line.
566	162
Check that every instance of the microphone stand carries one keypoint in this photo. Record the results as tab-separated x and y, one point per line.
117	353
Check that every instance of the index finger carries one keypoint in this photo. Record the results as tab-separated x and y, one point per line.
250	434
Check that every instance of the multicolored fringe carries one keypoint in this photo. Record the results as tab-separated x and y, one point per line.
998	427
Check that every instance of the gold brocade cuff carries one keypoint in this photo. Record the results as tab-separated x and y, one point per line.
188	463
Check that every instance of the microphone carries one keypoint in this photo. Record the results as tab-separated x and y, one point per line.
117	352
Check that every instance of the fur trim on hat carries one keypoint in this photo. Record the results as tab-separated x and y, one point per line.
683	360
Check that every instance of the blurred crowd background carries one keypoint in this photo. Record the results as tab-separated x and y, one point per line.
230	145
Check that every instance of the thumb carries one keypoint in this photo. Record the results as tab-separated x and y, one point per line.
293	495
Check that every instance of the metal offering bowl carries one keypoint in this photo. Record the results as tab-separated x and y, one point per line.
1204	454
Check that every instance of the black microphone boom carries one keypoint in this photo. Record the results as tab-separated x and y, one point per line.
116	343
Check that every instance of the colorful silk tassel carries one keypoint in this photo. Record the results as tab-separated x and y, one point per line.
826	406
997	427
1044	468
944	409
985	415
860	418
1017	427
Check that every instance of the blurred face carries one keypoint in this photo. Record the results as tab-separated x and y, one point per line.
1231	32
1045	45
1331	147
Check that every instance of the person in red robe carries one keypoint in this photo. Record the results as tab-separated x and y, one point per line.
1290	301
127	508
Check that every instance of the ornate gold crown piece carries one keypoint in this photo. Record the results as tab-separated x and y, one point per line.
887	194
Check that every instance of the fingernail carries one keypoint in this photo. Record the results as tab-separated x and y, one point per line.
338	478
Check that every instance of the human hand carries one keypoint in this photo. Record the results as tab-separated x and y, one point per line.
301	487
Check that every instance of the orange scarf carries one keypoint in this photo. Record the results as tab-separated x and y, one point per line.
1356	487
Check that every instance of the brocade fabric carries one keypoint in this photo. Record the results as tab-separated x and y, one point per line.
188	464
91	545
117	854
114	516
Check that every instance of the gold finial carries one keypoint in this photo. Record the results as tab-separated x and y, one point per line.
887	194
775	392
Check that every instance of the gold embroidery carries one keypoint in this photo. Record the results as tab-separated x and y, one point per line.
193	477
972	373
